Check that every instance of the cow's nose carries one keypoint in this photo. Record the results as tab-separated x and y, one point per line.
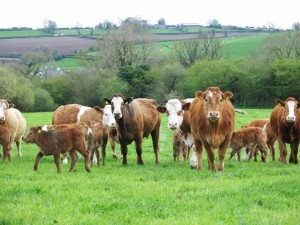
117	115
291	118
2	118
213	114
173	125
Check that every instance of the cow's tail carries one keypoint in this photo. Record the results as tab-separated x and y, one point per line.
264	131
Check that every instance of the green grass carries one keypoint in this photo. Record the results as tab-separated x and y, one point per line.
68	63
22	33
242	47
168	193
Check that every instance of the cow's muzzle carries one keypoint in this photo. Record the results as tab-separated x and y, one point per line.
290	119
117	116
213	116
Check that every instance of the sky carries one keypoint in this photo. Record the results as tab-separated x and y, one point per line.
88	13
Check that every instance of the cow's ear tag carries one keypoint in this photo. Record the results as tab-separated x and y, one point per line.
227	98
39	131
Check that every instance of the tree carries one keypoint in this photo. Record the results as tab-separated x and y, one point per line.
78	27
7	84
296	26
161	22
204	47
214	23
49	26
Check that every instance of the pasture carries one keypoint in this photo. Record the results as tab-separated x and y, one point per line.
168	193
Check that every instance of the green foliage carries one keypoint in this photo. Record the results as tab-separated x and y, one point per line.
24	99
7	84
43	101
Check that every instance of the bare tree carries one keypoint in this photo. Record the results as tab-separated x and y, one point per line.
205	47
49	26
78	27
128	46
296	26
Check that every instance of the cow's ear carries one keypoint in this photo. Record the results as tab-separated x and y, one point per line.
161	109
298	105
39	129
200	94
186	106
227	95
279	102
107	100
98	109
11	105
128	100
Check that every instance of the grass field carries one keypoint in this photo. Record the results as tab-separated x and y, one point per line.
168	193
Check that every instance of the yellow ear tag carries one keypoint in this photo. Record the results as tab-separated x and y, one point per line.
227	98
39	131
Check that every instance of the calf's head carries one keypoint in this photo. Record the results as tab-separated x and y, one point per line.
31	136
117	103
290	105
175	111
108	117
213	101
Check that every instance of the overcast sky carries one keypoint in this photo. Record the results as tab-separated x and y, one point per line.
31	13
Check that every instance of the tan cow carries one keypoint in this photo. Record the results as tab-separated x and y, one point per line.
5	141
212	119
55	142
136	119
249	137
285	123
75	113
16	122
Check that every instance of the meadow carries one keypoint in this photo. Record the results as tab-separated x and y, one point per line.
167	193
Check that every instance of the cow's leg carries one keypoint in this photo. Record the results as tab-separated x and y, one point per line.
56	157
65	158
222	152
272	150
103	154
233	152
86	155
37	159
124	151
198	150
263	150
283	151
138	148
185	152
294	152
210	156
112	144
7	152
155	138
73	156
18	143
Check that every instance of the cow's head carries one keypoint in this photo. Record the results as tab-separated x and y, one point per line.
108	117
117	103
290	104
175	110
3	105
213	100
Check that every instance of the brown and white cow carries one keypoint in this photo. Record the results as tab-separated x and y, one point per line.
271	137
285	123
249	137
16	122
110	122
75	113
5	141
179	119
136	119
212	119
55	142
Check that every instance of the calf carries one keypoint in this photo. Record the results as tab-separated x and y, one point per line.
98	138
59	141
245	137
5	142
179	145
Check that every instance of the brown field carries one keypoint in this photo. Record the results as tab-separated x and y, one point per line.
70	45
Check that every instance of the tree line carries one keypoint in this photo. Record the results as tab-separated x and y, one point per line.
123	62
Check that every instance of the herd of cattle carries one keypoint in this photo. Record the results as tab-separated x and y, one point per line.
205	121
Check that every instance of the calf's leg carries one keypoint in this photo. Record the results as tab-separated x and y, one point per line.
37	159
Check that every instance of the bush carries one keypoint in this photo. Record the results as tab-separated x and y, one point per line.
43	102
24	99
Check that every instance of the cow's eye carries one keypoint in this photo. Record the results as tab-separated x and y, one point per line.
221	100
179	113
206	100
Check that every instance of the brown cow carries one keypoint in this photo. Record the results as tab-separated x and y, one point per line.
5	141
271	137
75	113
98	137
16	122
212	120
249	137
285	123
59	141
136	119
179	119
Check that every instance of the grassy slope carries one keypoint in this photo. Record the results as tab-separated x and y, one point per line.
168	193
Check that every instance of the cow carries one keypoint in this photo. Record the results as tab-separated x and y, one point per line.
15	121
5	142
179	118
271	138
110	122
249	137
285	123
55	142
97	138
135	119
75	113
212	119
